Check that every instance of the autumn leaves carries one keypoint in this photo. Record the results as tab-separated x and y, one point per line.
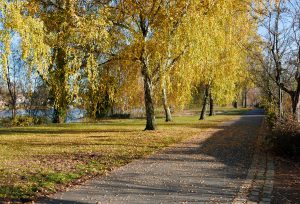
107	54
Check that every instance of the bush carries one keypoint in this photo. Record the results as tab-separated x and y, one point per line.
272	118
40	120
23	121
285	136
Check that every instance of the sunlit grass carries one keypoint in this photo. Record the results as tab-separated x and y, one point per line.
39	160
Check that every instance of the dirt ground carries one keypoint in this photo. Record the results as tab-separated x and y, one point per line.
287	180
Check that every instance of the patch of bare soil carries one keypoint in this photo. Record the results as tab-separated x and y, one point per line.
287	180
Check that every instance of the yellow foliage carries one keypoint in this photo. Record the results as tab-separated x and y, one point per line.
56	38
220	33
181	43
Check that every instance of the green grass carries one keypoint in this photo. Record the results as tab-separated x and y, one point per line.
36	161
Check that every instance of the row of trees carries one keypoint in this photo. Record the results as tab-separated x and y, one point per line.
278	70
121	53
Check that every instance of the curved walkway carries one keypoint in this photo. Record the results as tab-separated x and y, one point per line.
211	170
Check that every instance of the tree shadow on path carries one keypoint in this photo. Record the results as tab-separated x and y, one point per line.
201	171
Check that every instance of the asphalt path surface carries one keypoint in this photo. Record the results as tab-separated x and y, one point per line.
205	169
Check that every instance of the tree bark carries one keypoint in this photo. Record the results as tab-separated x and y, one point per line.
235	104
13	112
56	118
245	99
280	102
294	106
295	102
11	86
204	105
59	88
150	117
165	104
59	115
104	107
211	105
13	100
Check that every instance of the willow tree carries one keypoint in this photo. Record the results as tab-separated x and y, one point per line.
174	46
59	39
146	25
12	77
35	53
111	89
217	52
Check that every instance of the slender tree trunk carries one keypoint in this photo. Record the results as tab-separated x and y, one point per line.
150	117
165	104
211	105
11	86
295	102
204	105
280	106
13	101
244	98
14	107
112	110
13	112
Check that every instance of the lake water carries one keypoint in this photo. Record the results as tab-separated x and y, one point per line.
74	114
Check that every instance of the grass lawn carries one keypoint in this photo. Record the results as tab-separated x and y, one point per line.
36	161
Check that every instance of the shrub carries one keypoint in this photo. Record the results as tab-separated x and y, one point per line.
6	122
272	118
23	121
40	120
285	136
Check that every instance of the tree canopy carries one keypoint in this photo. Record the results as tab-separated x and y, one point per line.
102	55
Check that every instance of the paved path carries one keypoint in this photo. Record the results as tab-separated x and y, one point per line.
211	170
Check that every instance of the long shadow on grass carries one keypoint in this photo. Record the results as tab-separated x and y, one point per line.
60	132
108	126
69	131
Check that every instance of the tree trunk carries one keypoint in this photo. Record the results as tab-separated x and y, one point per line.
59	115
280	105
150	125
13	101
235	104
295	102
294	107
104	107
59	87
11	86
204	105
13	105
150	117
13	112
56	118
165	104
245	99
211	105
